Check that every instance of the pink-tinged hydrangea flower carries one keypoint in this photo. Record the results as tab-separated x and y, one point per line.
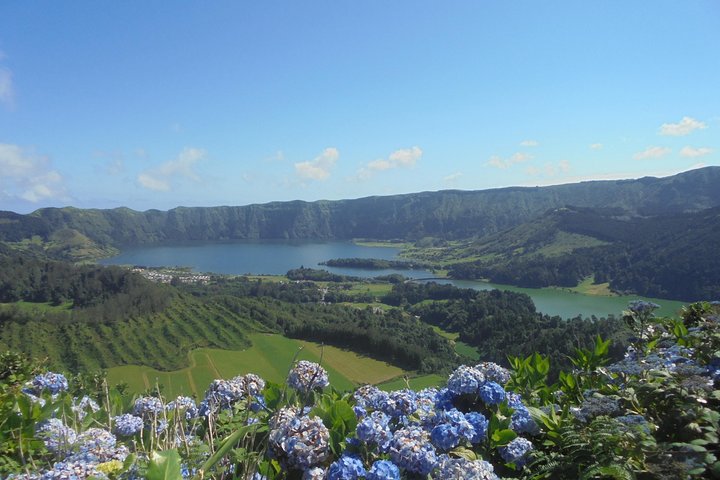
494	372
298	442
308	376
411	449
463	469
58	437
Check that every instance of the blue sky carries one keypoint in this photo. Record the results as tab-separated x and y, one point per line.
161	104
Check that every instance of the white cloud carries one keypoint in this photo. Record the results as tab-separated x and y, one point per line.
27	176
596	146
684	127
403	158
549	169
161	178
499	162
452	177
407	157
529	143
693	152
652	152
319	167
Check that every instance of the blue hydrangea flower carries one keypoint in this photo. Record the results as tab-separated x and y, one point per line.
491	393
370	397
463	469
373	429
514	400
445	436
127	425
383	470
223	393
73	469
635	422
400	403
410	449
465	380
516	451
148	407
480	426
98	446
521	422
184	404
444	399
346	467
298	441
52	382
307	376
58	437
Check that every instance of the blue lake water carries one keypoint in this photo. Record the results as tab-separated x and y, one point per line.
277	257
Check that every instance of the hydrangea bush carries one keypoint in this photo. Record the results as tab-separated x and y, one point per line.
653	414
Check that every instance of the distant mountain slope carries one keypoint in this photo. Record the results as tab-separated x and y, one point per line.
666	256
446	214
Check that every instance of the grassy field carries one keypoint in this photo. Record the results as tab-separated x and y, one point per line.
270	357
416	383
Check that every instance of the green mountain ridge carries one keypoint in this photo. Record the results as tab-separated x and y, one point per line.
447	214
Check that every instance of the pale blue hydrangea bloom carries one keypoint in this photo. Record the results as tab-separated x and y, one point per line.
383	470
516	451
307	376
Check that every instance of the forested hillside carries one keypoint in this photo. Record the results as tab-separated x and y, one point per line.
670	256
445	214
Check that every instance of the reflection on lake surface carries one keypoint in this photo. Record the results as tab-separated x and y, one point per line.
277	257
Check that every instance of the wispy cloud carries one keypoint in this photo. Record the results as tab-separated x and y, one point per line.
278	156
693	152
499	162
452	178
161	178
652	152
7	92
28	176
403	158
549	170
596	146
529	143
686	126
318	168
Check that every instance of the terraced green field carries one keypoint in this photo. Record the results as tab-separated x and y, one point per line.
270	356
160	339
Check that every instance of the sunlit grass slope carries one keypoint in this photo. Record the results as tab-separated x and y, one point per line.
270	357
